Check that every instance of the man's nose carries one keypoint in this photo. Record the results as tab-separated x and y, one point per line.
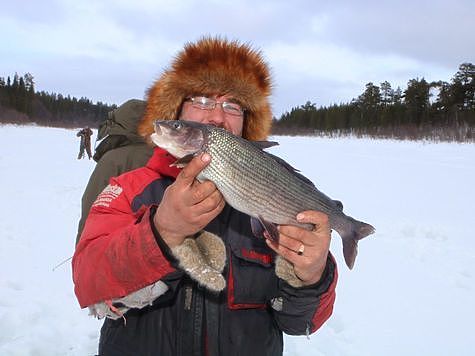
217	116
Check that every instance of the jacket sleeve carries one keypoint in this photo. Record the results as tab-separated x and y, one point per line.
302	311
104	170
112	163
118	253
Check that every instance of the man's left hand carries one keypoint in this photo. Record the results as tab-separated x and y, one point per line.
306	250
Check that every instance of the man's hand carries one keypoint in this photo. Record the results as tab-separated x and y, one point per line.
187	205
313	246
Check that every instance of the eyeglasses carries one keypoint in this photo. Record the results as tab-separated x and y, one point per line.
205	103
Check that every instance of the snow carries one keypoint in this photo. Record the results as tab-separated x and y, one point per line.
411	291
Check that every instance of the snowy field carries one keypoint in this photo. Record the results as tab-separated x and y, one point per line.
411	292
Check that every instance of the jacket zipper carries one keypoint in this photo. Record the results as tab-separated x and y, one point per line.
188	297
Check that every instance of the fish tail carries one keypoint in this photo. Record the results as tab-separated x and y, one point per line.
351	232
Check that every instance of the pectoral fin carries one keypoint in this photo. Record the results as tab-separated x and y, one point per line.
264	229
183	161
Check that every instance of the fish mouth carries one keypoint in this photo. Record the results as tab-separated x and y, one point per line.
158	129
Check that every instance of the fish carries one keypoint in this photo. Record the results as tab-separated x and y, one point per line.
256	182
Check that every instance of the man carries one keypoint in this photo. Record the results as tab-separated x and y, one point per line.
85	143
150	228
120	150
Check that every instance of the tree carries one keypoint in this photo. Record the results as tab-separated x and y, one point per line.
15	81
398	96
387	93
444	98
464	86
30	94
416	98
21	96
29	82
371	97
369	103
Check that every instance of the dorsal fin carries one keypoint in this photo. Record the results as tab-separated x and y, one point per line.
264	144
339	204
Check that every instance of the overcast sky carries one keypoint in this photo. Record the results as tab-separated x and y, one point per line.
319	51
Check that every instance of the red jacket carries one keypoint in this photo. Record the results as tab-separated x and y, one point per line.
119	253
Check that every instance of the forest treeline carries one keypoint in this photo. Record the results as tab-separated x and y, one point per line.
442	111
21	104
423	110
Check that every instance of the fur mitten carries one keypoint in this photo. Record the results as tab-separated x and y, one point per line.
284	270
203	259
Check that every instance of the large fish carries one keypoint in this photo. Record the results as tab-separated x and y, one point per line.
256	182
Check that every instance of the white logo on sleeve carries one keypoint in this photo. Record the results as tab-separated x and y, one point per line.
107	195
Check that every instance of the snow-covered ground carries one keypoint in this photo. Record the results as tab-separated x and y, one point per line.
411	292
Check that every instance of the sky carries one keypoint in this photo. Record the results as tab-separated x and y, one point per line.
319	51
410	292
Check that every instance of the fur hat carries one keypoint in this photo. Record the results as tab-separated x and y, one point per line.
214	66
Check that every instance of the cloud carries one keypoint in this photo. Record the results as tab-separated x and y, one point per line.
326	73
324	52
31	11
437	31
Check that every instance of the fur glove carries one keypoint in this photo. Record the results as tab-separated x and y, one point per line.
284	270
203	259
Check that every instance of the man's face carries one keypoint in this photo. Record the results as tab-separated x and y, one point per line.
218	116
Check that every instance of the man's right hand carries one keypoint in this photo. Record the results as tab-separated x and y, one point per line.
187	205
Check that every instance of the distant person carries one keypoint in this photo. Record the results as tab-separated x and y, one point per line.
85	143
120	151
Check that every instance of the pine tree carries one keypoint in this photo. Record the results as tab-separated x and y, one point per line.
416	98
464	86
369	103
387	93
30	93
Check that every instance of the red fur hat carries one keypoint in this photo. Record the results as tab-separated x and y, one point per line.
214	66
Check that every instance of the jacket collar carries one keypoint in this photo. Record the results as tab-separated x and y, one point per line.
161	161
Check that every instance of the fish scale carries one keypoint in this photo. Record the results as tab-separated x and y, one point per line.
234	180
256	182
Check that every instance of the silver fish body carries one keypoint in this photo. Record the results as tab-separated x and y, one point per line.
255	182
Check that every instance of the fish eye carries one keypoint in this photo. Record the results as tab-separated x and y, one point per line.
177	125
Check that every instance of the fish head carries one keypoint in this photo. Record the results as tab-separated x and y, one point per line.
179	137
